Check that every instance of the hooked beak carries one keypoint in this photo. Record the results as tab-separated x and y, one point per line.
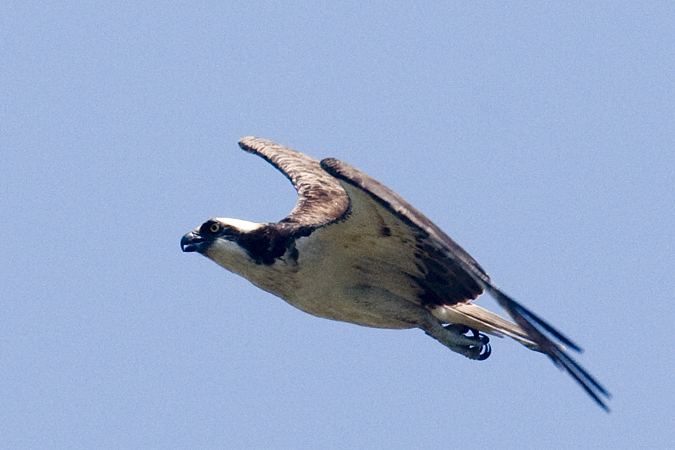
193	242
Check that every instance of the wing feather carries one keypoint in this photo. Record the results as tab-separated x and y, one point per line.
321	199
445	261
443	258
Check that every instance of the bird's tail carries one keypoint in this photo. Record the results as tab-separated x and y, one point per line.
477	318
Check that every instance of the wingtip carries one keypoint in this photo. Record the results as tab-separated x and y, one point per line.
247	142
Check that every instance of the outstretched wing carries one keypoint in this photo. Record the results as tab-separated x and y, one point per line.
321	199
449	275
442	264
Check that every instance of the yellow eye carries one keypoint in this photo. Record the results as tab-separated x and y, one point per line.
214	228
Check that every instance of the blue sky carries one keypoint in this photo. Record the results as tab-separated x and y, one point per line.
540	137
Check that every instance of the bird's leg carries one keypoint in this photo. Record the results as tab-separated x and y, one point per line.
460	338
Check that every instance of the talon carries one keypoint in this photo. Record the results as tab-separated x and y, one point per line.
479	353
479	336
485	352
464	340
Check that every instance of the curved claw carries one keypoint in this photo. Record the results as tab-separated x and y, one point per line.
461	339
485	352
479	352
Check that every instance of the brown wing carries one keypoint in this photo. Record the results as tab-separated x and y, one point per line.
446	266
445	278
321	199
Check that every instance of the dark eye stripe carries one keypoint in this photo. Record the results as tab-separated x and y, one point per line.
213	228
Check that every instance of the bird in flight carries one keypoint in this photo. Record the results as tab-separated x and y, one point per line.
353	250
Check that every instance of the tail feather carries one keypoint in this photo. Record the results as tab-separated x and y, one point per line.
538	329
481	319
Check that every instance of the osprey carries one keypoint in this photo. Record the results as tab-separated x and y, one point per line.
353	250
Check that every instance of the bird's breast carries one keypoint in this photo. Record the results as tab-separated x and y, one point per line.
362	290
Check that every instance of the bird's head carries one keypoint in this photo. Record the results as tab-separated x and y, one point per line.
221	240
242	247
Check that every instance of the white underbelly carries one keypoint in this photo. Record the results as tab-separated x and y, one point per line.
373	296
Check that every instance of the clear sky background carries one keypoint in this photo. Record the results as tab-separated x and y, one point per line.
540	137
